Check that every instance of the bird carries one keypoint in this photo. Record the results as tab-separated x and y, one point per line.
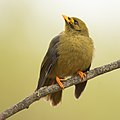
70	53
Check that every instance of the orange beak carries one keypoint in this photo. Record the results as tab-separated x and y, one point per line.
68	19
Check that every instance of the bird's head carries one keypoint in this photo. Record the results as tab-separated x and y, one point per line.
75	25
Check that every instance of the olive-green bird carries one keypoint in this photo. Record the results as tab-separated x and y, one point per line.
70	53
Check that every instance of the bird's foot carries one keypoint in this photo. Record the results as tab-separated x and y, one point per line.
81	74
58	80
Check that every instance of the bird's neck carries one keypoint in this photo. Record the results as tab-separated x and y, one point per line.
70	31
73	32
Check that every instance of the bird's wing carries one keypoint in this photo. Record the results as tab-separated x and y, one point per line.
49	61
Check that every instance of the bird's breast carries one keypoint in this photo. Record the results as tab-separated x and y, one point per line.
75	53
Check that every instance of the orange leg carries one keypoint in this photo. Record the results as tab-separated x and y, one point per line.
81	74
58	80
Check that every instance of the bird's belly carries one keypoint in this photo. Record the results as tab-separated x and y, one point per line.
72	60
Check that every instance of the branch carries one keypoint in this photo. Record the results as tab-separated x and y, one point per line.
25	103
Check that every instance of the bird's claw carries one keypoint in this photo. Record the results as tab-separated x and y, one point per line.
81	74
58	80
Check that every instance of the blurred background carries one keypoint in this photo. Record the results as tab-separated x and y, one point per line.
26	29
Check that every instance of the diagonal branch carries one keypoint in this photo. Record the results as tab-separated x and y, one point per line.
25	103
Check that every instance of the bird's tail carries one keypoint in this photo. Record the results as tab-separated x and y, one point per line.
56	97
79	89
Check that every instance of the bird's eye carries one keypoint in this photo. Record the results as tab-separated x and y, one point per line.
75	22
